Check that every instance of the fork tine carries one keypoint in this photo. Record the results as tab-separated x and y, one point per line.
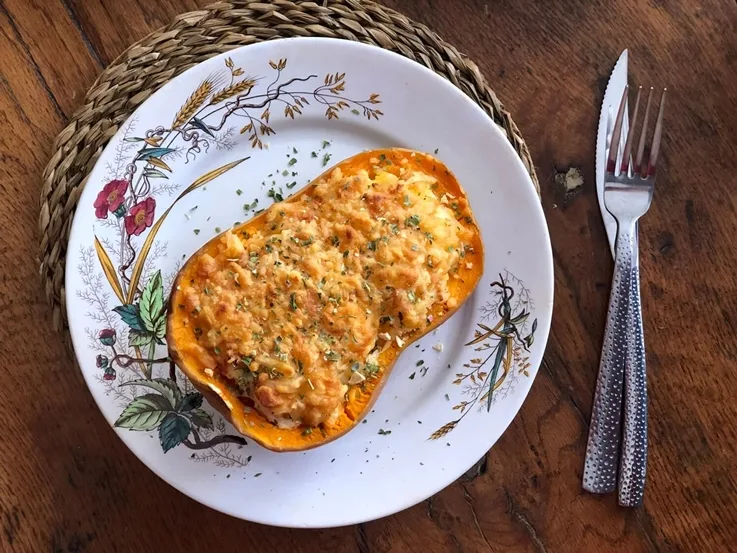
616	133
656	137
643	134
630	134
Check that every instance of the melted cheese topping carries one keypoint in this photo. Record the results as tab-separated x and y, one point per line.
297	312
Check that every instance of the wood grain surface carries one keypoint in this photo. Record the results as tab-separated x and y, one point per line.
67	484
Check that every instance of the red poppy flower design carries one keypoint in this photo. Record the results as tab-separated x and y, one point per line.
110	198
140	217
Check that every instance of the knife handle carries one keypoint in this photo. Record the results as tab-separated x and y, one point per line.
633	464
602	449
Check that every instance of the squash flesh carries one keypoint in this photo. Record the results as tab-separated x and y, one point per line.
205	366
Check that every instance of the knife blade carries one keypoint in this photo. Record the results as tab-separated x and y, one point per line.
609	107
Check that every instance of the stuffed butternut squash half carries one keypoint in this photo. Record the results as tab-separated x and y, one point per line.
290	324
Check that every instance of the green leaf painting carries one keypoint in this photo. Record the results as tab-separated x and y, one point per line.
151	306
144	413
165	387
147	153
129	313
200	418
140	338
193	400
173	431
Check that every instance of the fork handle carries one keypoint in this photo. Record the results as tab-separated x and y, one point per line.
633	464
602	449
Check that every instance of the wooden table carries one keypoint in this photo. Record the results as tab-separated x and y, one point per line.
67	484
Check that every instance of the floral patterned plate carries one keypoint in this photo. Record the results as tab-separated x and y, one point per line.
215	146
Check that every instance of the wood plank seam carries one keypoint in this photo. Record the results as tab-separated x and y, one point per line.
35	66
74	18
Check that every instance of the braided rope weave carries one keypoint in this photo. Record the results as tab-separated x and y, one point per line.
196	36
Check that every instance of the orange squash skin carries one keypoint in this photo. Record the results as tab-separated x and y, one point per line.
360	398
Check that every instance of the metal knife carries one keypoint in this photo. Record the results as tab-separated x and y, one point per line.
612	97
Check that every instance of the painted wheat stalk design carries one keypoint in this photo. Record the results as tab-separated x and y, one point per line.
443	430
242	87
193	103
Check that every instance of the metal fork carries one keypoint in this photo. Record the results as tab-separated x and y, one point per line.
627	196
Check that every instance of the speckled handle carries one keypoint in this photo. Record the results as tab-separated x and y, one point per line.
633	465
602	449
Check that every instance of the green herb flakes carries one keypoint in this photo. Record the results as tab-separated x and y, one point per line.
275	195
412	221
371	368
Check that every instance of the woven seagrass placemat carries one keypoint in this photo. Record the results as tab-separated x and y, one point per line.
196	36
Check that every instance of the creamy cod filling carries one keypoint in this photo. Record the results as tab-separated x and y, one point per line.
297	312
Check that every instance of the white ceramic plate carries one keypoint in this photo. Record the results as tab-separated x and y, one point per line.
314	101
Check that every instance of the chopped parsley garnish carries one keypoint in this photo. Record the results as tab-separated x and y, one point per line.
383	432
412	376
294	150
313	154
412	221
420	363
239	191
346	253
308	241
291	184
207	291
275	195
372	245
216	350
196	231
385	319
355	112
332	356
335	241
371	368
253	205
325	143
293	302
307	431
218	229
284	173
325	159
411	296
292	161
395	228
